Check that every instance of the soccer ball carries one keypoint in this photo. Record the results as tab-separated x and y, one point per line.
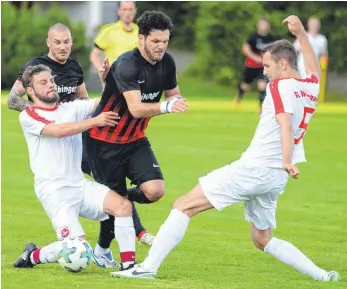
75	254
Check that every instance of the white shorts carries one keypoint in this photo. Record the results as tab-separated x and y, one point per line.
258	186
64	205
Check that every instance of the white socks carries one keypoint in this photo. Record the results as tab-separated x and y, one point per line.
292	256
169	235
125	235
99	251
47	254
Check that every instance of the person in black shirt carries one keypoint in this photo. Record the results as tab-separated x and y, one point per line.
134	86
68	72
253	62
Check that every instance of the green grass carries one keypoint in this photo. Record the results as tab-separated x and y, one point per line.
217	251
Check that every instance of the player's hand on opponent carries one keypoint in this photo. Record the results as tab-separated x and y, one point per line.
109	118
294	25
292	170
104	69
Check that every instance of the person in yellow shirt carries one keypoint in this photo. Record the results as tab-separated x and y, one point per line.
114	39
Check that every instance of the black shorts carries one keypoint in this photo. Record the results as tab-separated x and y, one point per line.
85	164
251	74
112	163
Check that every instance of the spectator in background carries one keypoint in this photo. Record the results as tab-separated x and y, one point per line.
253	69
318	41
116	38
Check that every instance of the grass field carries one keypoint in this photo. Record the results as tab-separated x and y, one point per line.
217	251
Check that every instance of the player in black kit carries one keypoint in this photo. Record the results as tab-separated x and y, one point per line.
133	88
253	62
67	71
68	76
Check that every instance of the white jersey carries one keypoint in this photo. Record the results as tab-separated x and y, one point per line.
53	160
319	44
298	97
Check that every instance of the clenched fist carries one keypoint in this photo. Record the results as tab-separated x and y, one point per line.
294	25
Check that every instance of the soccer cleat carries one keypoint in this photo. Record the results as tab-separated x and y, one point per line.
332	276
105	261
134	272
24	260
146	238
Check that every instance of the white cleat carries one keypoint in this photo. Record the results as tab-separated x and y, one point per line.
332	276
146	239
105	261
136	272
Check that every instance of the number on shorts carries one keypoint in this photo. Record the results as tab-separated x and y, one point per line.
303	124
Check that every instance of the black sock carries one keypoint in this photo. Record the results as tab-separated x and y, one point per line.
261	96
240	91
137	222
106	234
136	195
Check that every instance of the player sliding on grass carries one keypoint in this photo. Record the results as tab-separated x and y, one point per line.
261	174
53	134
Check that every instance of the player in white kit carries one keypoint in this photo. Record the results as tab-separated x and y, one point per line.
261	174
318	41
53	134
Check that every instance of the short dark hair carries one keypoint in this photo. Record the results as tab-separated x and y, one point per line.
282	49
153	20
58	26
30	71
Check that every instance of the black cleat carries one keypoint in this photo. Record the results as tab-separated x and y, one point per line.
127	268
24	260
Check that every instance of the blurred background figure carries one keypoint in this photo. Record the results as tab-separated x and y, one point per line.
319	43
116	38
253	69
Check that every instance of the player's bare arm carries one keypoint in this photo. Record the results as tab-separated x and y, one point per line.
310	60
68	129
247	51
81	92
287	139
172	93
103	71
95	58
140	110
15	98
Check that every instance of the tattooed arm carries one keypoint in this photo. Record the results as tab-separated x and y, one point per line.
15	98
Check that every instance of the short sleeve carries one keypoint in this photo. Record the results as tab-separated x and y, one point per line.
31	62
325	43
31	122
282	96
125	73
171	80
251	40
83	108
101	40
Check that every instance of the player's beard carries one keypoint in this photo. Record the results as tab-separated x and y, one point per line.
150	55
51	97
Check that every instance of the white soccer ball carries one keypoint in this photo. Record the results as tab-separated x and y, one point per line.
75	254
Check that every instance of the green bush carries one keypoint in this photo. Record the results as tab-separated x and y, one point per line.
24	33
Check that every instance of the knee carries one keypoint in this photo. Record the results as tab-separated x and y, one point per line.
153	191
182	205
120	208
244	86
261	238
261	85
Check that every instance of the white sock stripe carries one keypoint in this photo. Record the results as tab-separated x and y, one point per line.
124	221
